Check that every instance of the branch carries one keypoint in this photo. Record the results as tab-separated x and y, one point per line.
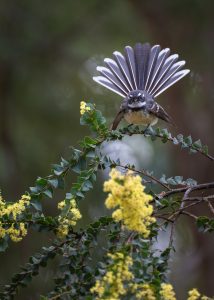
186	190
210	206
190	215
40	259
165	136
145	173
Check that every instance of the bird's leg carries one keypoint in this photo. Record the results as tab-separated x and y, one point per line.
147	127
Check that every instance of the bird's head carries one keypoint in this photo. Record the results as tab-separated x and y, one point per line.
138	99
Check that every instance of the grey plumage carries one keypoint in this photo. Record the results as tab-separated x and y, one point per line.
142	67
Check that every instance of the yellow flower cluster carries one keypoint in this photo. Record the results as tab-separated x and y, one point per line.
167	292
84	107
16	234
70	219
14	209
142	291
127	194
16	231
111	286
195	295
118	281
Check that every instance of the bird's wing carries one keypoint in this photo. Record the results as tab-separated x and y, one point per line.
159	112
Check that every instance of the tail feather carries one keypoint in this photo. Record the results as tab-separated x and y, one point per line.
109	85
165	70
122	63
110	76
130	58
142	67
141	60
151	64
113	66
162	56
177	76
172	71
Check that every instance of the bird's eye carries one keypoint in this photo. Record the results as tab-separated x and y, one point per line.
139	95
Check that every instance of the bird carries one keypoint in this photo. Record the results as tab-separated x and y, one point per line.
139	76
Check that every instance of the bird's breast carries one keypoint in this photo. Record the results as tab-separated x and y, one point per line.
140	117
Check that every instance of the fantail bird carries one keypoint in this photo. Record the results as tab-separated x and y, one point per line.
139	76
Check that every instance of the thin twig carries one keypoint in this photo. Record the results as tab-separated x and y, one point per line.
203	186
171	234
203	198
190	215
163	217
145	173
210	206
59	295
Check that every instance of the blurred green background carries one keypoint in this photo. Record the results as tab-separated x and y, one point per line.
48	54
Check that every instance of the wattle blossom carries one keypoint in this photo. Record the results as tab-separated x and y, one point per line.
84	107
126	194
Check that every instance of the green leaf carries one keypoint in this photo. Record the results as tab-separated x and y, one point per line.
61	183
163	179
3	244
205	224
41	181
35	189
80	194
58	169
205	149
188	140
191	150
191	182
175	141
197	144
68	196
184	145
171	181
43	297
91	154
53	182
48	193
178	179
87	185
36	203
180	138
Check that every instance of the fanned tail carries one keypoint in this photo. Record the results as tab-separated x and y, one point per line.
143	68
